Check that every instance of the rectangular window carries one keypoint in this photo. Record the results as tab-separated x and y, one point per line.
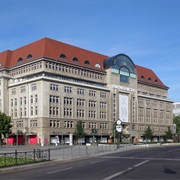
20	124
31	99
23	89
36	98
24	111
33	123
54	87
92	93
13	91
102	95
54	123
31	111
15	102
80	91
33	87
20	100
11	102
36	110
67	89
24	100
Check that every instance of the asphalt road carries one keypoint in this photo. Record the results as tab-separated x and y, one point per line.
150	163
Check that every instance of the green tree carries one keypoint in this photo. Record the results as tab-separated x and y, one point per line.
79	131
176	120
169	134
148	133
5	124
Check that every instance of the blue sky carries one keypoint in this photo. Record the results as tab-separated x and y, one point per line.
148	31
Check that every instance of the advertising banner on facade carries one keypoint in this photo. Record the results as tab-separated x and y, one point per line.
123	107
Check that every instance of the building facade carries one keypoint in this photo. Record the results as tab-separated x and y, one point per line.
48	86
176	108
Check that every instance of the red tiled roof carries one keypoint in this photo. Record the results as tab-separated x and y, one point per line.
52	49
148	76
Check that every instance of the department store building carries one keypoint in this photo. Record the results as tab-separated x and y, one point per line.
48	86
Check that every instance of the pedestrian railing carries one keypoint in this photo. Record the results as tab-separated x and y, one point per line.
80	151
21	158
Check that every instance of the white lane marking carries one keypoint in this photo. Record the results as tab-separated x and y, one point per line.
141	163
153	159
122	172
117	174
94	162
51	172
174	150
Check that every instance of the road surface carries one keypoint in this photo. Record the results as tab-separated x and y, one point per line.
150	163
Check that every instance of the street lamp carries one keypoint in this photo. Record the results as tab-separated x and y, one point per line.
63	125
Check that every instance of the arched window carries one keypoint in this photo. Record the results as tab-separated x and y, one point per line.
97	66
149	79
20	59
155	80
86	62
142	77
124	74
63	56
75	59
29	56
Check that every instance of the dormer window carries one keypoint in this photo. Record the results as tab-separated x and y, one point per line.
142	77
149	79
97	66
29	56
156	80
75	59
63	56
20	59
86	62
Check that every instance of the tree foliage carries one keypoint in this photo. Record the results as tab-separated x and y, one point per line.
169	134
5	124
176	120
79	131
148	133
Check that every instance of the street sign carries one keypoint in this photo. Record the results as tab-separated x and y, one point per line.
118	128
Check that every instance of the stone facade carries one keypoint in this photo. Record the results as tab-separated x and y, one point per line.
46	97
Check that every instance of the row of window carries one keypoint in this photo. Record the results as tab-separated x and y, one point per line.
23	89
153	116
25	69
55	87
70	124
20	123
154	128
152	95
54	111
66	124
155	104
23	111
23	101
73	70
80	102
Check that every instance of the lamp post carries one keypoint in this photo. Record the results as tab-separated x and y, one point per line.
17	138
119	129
62	140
